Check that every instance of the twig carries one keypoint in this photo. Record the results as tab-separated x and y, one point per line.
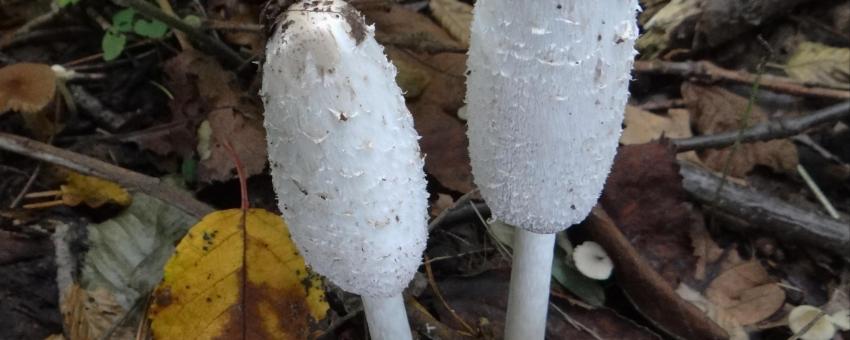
817	192
95	167
767	213
338	323
431	328
707	71
232	26
165	5
29	26
780	128
439	295
229	56
26	187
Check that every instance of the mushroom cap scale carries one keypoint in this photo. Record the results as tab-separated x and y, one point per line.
547	87
344	155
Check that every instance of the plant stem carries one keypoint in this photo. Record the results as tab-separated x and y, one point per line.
387	318
531	272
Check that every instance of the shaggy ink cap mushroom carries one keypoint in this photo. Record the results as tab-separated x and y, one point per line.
344	156
546	91
26	87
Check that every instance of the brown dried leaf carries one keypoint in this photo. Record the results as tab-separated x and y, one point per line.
248	139
455	16
434	112
747	292
644	196
238	13
718	110
90	314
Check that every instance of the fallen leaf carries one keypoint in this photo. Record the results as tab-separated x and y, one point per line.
719	315
820	64
717	110
482	300
644	196
92	191
237	271
238	13
411	78
91	315
455	16
747	292
247	137
644	126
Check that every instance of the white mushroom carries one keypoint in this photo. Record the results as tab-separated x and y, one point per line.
547	87
592	261
345	158
801	316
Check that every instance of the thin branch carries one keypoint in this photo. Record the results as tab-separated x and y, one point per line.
229	56
94	167
707	71
766	213
780	128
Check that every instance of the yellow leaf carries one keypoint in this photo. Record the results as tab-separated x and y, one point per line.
223	283
92	191
820	64
455	16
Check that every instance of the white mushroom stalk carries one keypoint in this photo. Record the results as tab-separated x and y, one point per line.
345	158
546	92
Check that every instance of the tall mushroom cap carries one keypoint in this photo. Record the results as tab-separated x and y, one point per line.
547	87
344	155
26	87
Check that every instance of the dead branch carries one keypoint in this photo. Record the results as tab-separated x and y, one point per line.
709	72
780	128
766	213
95	167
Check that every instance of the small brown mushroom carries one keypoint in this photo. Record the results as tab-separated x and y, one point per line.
26	87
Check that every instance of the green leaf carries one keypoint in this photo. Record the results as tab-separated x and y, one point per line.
122	21
150	29
63	3
113	44
570	278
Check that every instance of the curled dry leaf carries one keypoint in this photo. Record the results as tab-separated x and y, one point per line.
717	110
237	271
26	87
455	16
746	292
93	191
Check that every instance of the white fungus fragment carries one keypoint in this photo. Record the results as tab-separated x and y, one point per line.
801	316
344	155
592	261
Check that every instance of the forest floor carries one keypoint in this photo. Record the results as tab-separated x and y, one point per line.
726	214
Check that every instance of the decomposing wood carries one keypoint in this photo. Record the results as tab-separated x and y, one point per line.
766	213
779	128
95	109
709	72
94	167
648	291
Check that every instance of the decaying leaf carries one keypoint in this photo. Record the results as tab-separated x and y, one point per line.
93	314
92	191
747	292
717	110
247	137
820	64
123	263
719	315
455	16
643	126
411	78
237	272
434	112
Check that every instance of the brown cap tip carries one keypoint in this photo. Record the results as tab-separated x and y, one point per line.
26	87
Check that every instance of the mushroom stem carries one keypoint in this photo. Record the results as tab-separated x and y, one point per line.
528	300
386	317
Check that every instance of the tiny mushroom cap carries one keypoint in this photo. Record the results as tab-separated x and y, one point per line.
592	261
841	319
801	316
26	87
